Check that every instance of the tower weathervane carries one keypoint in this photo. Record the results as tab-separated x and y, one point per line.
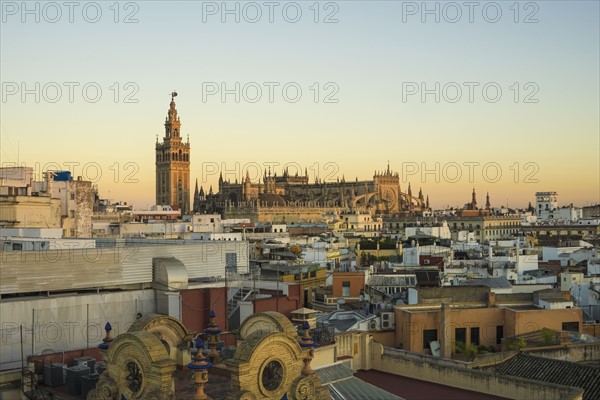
173	95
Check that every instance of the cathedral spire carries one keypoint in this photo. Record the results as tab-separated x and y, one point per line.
487	201
172	123
196	204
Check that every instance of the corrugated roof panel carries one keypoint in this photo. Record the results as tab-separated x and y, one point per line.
344	386
68	269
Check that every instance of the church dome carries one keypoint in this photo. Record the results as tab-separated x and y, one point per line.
272	200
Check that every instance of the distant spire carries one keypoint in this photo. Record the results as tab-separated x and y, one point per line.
487	201
196	204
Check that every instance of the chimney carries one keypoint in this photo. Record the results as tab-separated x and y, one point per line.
491	299
446	332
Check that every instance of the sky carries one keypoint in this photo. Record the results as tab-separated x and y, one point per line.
498	96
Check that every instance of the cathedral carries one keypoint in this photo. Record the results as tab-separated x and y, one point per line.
173	164
284	198
292	198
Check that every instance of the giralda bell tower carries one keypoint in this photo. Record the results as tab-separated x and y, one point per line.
173	164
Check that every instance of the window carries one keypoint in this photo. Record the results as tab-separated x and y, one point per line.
475	336
570	326
499	334
460	336
346	289
313	274
429	335
72	196
296	277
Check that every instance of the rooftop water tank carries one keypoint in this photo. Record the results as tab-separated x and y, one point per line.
63	176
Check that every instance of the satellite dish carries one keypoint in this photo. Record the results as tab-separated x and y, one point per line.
435	348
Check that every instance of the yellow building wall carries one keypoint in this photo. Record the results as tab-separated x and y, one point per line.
411	324
534	320
30	212
311	284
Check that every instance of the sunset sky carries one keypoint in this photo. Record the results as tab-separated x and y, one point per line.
367	61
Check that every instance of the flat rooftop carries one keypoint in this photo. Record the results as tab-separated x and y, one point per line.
414	389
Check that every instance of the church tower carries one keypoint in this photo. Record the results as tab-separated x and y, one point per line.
173	164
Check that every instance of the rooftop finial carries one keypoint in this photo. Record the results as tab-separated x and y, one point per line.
107	339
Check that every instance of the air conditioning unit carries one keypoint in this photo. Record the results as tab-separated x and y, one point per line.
74	375
55	374
373	325
88	383
385	324
89	362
